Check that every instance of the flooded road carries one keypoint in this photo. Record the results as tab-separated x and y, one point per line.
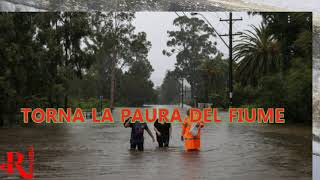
229	151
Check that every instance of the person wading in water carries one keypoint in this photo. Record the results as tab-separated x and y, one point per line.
191	134
137	129
163	132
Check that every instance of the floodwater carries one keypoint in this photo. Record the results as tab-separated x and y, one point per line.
228	151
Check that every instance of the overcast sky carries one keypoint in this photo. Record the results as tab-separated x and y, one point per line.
156	25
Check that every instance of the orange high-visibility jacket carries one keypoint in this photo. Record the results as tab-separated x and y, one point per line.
190	142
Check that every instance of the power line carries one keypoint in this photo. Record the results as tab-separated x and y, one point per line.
215	13
177	13
193	14
230	20
231	34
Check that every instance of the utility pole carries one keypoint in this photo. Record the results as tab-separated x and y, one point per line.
230	20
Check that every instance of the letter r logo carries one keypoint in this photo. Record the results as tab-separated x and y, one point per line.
15	160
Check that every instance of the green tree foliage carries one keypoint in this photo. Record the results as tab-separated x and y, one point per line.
170	89
16	64
257	54
39	53
119	53
136	87
64	35
299	90
118	44
288	28
192	44
289	86
197	59
214	76
54	59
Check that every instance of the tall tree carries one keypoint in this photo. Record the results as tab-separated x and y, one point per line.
64	36
192	43
17	61
170	88
287	27
214	74
136	86
118	43
257	53
39	53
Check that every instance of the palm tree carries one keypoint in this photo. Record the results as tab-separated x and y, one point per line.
257	53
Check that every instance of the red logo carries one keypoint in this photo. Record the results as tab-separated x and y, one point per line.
15	160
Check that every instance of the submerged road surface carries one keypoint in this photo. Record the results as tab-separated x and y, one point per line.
229	151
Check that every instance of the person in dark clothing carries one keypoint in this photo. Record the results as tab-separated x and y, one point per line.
163	132
137	139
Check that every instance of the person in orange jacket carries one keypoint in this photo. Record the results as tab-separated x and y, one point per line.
191	142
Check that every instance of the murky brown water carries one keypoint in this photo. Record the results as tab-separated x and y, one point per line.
229	151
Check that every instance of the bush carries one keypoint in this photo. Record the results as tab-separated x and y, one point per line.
243	95
299	92
89	103
291	90
34	102
271	91
219	101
